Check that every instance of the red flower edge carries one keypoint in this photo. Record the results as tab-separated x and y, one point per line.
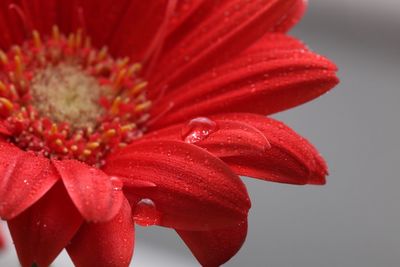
254	68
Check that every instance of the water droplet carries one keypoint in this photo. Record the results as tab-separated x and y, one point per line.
146	213
117	184
198	129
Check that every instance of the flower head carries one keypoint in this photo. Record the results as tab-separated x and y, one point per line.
121	112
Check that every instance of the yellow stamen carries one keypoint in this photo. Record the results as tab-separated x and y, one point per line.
13	90
78	40
17	50
123	62
56	33
138	88
93	145
143	106
110	133
136	67
78	137
58	142
54	128
115	105
19	67
36	39
71	40
86	152
128	127
7	103
120	77
3	87
3	57
102	54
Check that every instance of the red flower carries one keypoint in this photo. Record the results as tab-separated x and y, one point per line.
91	142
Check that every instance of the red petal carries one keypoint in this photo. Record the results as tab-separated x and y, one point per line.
91	190
238	142
108	244
147	18
68	15
293	16
214	248
24	179
9	20
184	10
2	241
4	129
195	190
41	13
103	17
275	74
230	138
291	158
218	31
42	231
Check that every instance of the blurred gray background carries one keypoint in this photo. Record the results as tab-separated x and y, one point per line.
355	219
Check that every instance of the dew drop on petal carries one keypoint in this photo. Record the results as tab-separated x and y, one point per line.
117	184
146	213
198	129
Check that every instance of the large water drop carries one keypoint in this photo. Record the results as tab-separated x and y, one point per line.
146	213
198	129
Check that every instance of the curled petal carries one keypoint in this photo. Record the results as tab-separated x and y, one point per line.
194	190
24	179
91	190
288	158
43	230
291	158
214	248
106	244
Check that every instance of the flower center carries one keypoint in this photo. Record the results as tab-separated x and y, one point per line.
65	93
62	98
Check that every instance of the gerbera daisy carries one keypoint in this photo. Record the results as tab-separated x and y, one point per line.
118	112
